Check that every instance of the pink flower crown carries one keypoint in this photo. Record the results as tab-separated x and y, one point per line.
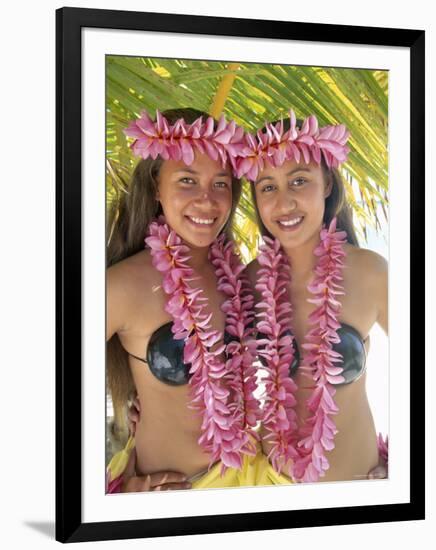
179	141
247	153
275	146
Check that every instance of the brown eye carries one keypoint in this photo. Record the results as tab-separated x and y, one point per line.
221	184
298	182
267	188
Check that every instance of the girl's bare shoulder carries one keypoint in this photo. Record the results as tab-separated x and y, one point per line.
134	275
364	257
366	264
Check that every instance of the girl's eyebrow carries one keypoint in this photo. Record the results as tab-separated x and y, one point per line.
298	169
263	178
190	171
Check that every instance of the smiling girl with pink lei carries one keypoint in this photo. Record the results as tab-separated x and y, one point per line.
318	296
180	312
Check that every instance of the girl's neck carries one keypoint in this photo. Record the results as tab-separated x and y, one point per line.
302	260
199	258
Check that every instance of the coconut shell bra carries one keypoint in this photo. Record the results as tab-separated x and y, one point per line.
164	355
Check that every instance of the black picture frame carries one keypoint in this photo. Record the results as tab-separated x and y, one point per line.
69	22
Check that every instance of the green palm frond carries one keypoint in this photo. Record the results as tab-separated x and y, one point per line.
259	93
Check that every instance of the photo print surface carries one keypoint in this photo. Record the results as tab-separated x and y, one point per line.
247	247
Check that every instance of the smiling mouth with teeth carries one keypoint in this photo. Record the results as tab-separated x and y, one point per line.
290	223
201	221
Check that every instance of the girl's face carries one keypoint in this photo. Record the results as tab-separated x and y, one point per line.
196	200
291	201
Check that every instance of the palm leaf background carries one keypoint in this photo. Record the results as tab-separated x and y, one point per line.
251	94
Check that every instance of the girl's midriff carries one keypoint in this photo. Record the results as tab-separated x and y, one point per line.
355	452
167	433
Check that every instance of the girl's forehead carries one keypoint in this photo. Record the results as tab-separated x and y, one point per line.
200	164
289	167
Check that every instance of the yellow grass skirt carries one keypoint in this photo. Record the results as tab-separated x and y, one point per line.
256	470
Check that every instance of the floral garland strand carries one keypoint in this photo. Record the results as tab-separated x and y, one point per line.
317	433
274	145
279	418
222	437
241	350
383	448
180	141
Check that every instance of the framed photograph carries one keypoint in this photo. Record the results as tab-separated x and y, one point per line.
350	103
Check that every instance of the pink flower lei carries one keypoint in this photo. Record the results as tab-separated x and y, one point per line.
221	391
279	417
180	140
305	446
274	146
247	153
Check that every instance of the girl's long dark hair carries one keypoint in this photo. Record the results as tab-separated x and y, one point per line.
335	204
127	224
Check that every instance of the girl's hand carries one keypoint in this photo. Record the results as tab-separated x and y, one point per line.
380	471
159	481
133	415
